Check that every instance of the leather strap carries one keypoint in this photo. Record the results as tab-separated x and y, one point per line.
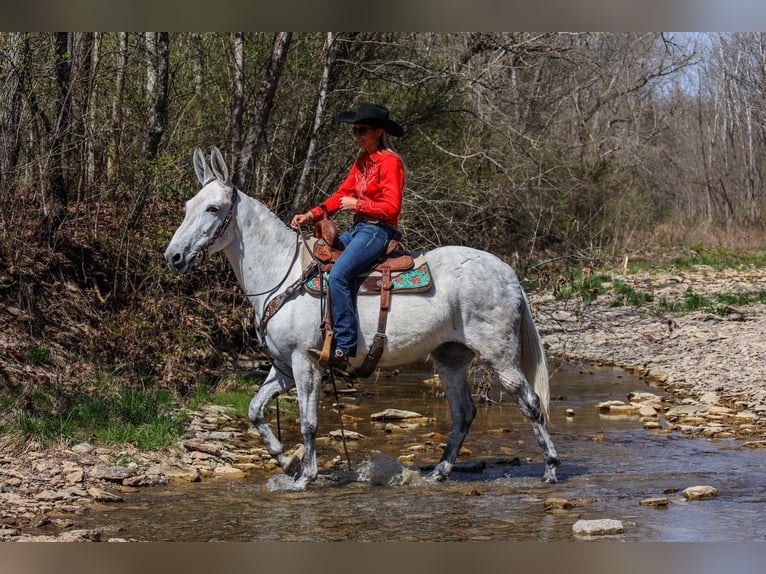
379	341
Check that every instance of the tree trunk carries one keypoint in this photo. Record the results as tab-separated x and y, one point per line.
264	100
161	99
308	165
156	126
237	104
112	163
151	41
91	128
58	172
17	54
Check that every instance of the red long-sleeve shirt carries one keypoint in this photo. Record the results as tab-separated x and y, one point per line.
377	181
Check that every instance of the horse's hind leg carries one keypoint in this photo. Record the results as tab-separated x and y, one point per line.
529	403
275	384
452	361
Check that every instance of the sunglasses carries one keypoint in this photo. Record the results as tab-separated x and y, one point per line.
360	131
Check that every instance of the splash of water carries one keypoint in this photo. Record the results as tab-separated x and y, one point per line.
384	470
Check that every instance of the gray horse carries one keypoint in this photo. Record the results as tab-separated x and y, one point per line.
475	308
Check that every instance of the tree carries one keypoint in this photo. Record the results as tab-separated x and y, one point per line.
263	103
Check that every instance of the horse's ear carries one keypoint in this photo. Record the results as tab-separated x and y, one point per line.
200	167
220	169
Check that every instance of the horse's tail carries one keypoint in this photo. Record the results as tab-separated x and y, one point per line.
533	362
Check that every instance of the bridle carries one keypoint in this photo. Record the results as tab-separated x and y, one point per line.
226	220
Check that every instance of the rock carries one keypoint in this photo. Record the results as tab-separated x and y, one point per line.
606	406
83	448
49	495
101	495
686	411
202	447
601	527
700	492
755	444
643	397
395	414
226	471
647	411
114	473
350	435
657	501
552	503
710	398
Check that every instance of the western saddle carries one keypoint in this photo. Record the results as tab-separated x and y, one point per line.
326	251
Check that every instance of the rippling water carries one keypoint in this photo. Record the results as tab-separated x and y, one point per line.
609	464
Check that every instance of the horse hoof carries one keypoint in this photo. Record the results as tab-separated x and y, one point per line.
550	478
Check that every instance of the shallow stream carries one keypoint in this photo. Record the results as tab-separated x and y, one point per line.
609	465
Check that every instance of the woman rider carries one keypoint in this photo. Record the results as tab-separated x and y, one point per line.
372	191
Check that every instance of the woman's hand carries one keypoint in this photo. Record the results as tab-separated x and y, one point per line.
348	203
300	219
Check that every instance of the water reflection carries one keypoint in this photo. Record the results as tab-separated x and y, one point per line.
609	464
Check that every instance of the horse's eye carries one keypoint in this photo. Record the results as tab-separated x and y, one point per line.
213	209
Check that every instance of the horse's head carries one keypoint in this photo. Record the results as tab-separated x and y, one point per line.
206	220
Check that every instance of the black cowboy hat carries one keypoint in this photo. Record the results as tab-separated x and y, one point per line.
372	115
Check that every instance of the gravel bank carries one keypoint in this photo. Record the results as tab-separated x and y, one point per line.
701	358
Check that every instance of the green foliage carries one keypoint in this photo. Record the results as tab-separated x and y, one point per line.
588	288
626	295
236	396
721	258
144	418
39	355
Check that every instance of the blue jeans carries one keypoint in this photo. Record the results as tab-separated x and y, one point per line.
365	243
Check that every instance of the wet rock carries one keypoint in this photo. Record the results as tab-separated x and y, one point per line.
350	435
601	527
101	495
227	471
396	414
755	444
657	501
552	503
700	492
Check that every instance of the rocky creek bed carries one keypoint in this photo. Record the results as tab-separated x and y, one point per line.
710	364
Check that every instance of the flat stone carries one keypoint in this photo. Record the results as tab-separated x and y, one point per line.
552	503
395	414
700	492
101	495
350	435
115	473
687	410
657	501
600	527
228	472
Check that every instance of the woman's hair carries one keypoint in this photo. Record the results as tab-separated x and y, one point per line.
385	142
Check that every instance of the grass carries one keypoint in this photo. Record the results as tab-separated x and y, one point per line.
588	288
235	394
626	295
148	419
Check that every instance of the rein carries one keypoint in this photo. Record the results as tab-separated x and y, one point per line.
271	307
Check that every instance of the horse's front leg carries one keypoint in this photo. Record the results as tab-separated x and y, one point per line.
276	383
308	384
